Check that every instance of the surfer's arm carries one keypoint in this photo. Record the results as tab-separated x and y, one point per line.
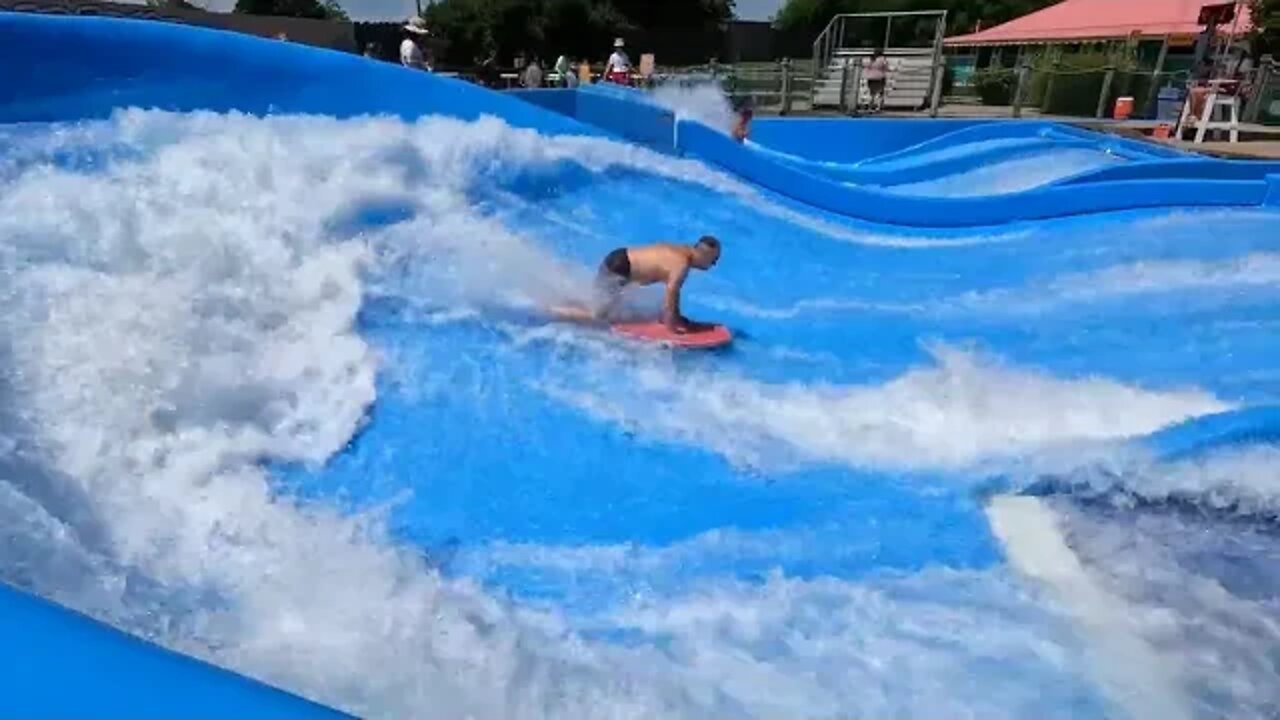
671	316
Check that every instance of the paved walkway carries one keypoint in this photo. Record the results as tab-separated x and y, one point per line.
1257	149
1256	141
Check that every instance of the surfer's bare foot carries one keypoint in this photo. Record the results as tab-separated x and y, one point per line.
573	313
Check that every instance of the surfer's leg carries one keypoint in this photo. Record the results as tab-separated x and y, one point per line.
573	313
611	278
608	291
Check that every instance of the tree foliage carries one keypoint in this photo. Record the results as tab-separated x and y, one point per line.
962	15
316	9
1266	25
578	28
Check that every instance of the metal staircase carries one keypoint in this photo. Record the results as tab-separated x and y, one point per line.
915	73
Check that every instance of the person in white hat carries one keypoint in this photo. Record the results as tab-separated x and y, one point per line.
618	68
411	54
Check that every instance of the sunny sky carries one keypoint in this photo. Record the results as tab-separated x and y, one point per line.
757	9
400	9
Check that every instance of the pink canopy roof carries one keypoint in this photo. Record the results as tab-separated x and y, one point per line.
1100	19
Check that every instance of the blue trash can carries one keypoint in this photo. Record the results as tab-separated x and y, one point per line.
1169	103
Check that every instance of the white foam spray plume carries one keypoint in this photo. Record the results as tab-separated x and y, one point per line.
700	99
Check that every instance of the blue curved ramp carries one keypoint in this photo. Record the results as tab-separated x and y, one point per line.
288	78
1169	177
968	148
60	664
704	143
1257	425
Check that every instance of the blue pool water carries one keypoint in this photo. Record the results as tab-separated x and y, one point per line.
279	393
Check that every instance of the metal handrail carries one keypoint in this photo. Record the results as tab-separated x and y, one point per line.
828	43
822	48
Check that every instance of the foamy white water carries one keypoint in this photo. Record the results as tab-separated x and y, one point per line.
184	307
1134	673
965	410
1200	594
1012	175
1252	272
1257	270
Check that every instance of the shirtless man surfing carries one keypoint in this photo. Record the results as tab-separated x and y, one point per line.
645	265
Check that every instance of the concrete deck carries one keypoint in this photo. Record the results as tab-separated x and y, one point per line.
1253	150
1256	141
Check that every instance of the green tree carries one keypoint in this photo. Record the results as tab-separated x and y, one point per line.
684	14
581	28
1266	26
317	9
571	27
468	24
962	15
334	11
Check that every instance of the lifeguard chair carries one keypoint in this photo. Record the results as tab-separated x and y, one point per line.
1214	102
1219	95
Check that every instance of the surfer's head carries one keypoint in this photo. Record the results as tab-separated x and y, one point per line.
706	252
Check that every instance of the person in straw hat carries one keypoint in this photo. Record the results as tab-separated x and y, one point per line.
618	68
411	54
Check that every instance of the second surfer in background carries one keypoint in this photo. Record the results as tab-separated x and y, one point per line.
742	126
645	265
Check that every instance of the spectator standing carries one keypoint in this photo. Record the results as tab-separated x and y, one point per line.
877	74
411	53
618	68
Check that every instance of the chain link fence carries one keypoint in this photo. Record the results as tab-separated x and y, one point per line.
780	87
1058	88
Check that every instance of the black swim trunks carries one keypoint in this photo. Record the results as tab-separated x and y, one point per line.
618	263
613	276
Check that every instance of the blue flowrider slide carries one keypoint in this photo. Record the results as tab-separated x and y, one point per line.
288	428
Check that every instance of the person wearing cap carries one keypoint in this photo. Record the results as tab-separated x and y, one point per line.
411	55
618	67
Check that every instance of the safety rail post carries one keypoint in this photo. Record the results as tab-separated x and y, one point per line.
855	85
1153	93
786	86
938	77
1106	91
1048	86
1019	92
813	86
844	87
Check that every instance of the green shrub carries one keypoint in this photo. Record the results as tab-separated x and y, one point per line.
995	86
1078	78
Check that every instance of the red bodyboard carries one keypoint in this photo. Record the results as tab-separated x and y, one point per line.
705	336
